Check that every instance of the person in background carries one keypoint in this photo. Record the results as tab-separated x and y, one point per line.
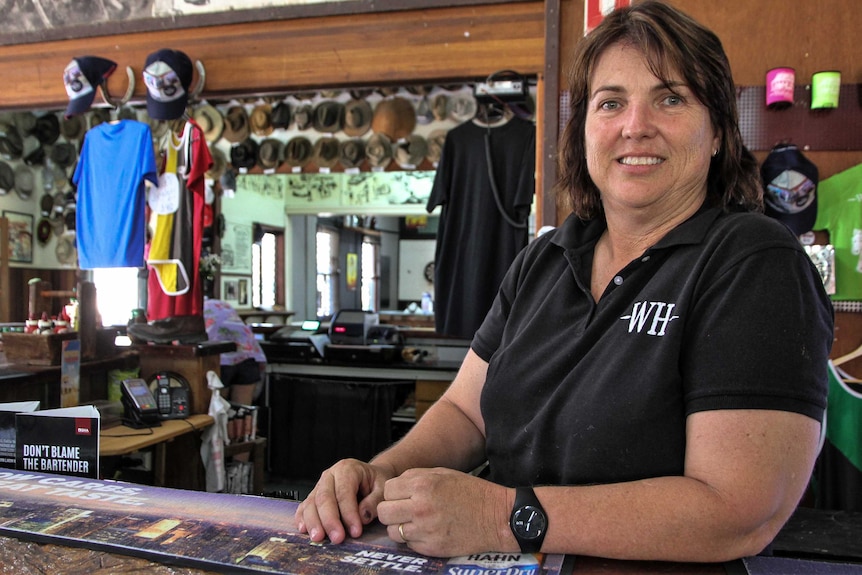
242	371
650	381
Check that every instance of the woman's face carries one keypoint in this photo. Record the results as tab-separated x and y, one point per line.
648	148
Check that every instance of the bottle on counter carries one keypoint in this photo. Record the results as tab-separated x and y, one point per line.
427	303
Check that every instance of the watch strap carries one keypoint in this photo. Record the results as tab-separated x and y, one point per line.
526	497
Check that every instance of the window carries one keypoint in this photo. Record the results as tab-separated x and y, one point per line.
370	288
116	294
267	273
327	266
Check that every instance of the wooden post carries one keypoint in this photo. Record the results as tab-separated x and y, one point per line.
87	319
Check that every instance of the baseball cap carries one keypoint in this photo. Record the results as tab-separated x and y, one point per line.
167	75
790	188
81	77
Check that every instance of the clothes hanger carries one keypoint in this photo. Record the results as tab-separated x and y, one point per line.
113	102
847	357
492	114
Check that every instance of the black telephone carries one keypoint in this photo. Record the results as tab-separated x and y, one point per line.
139	405
172	395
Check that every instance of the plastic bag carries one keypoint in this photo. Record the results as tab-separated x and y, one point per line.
215	437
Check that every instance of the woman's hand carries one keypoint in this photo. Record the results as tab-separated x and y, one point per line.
445	513
343	501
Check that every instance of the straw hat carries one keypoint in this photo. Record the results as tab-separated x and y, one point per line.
357	117
236	127
378	150
394	118
352	153
411	151
210	120
261	120
66	250
462	107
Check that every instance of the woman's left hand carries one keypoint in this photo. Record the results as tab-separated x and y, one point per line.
446	513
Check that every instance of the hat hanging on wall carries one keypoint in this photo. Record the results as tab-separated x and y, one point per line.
66	250
269	154
25	182
378	150
326	152
462	107
436	139
303	116
424	113
328	117
260	120
47	129
24	121
210	120
99	116
43	230
64	154
46	204
357	118
11	142
219	164
244	154
298	151
34	153
73	128
81	77
236	124
352	153
790	188
394	118
7	178
281	116
168	76
411	151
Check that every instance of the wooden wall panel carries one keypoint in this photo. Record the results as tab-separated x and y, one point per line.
302	54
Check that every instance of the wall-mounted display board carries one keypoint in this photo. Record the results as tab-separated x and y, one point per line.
379	193
812	130
236	248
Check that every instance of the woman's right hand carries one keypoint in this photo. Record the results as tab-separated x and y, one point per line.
343	501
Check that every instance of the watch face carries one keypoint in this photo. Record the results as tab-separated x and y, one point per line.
529	522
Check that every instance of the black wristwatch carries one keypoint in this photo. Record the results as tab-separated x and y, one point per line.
528	521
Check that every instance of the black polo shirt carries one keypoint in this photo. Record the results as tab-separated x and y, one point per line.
725	312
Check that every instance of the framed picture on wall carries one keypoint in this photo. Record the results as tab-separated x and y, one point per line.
236	290
20	236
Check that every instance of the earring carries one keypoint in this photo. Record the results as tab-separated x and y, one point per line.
714	153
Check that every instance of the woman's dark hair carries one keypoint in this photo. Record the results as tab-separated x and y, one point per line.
670	41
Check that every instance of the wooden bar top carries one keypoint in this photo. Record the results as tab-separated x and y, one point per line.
121	440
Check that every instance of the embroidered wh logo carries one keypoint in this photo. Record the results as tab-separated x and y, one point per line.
659	311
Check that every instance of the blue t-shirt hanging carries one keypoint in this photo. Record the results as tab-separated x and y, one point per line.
116	160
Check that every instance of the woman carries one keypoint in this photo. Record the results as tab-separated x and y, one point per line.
650	380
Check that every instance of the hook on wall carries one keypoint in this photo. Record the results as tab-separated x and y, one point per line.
202	80
114	102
